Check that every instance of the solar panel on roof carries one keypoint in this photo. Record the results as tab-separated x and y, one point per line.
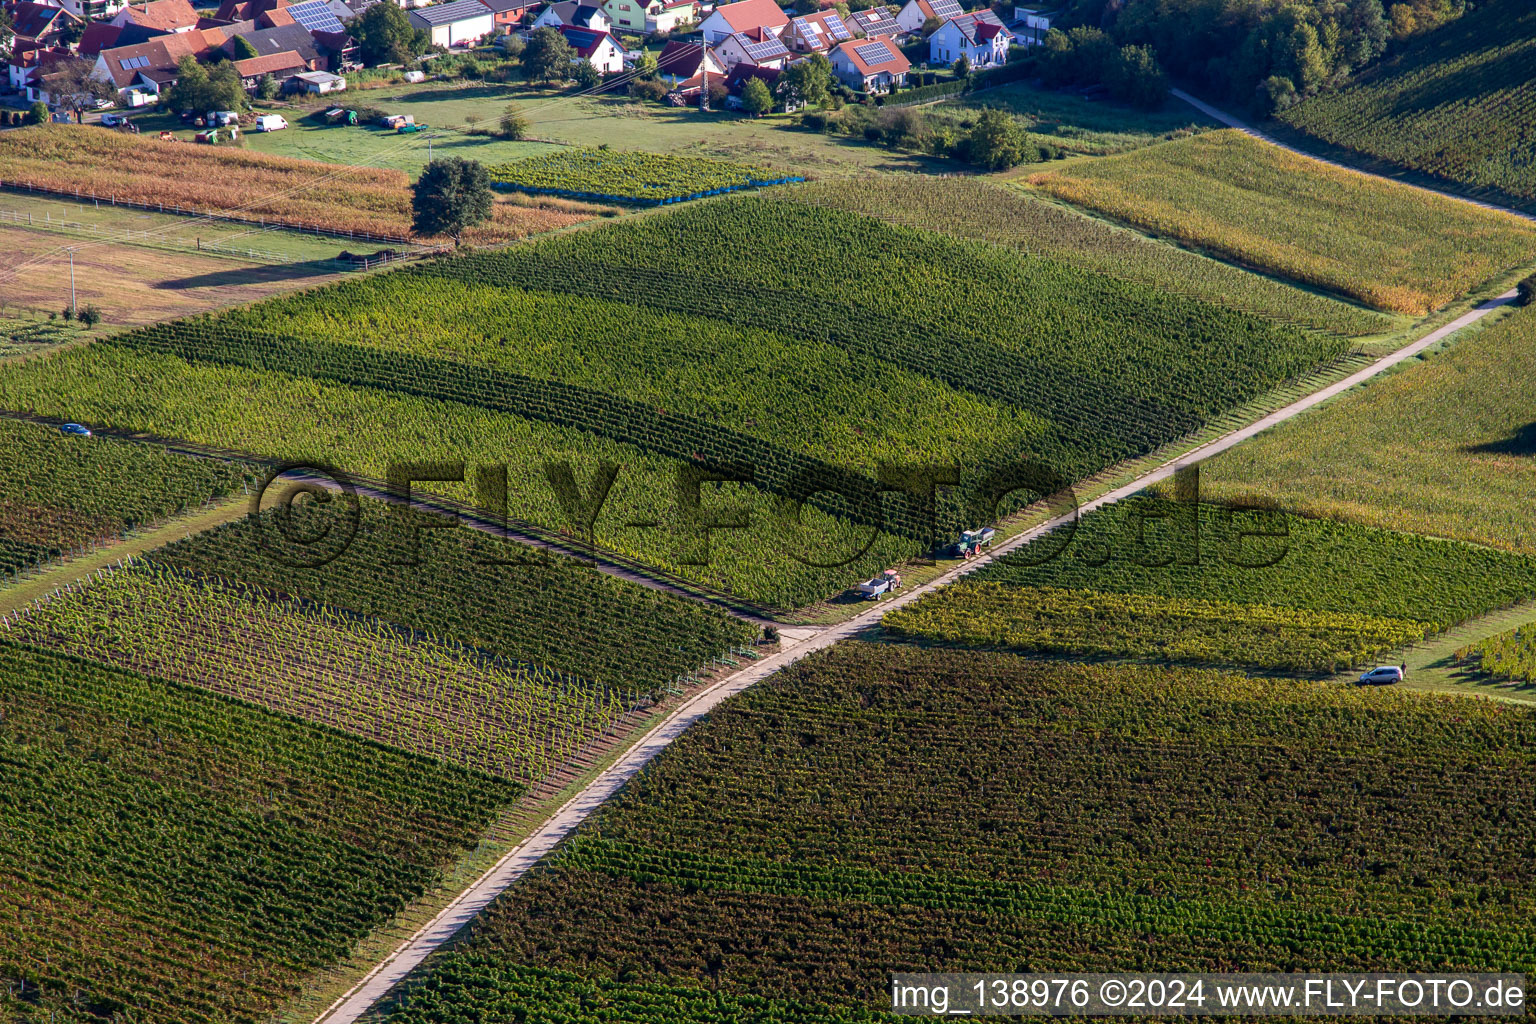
837	28
765	50
316	16
946	8
874	53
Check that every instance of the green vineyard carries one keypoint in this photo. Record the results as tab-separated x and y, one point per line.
503	599
1458	103
974	209
361	675
1509	656
795	370
169	855
651	179
882	808
1149	577
60	493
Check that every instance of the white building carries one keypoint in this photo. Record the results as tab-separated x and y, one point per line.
456	23
980	37
747	16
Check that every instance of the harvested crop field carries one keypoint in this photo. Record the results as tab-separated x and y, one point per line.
256	186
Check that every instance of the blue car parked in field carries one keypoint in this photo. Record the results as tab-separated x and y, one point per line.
75	429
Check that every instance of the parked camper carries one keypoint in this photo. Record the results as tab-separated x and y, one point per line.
220	118
270	123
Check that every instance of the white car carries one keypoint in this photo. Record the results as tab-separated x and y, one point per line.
1386	675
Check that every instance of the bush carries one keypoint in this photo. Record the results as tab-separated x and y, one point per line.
90	316
648	89
68	313
815	120
38	114
1526	291
513	124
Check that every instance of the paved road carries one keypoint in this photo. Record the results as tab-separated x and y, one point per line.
1242	126
411	953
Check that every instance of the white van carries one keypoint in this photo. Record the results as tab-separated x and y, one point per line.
270	123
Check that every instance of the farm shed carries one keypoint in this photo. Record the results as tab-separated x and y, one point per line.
456	23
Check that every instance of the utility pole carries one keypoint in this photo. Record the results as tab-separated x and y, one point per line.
72	310
704	70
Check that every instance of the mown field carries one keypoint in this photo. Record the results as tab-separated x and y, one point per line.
255	186
1444	447
166	854
1151	578
1384	244
1458	103
1076	124
793	363
59	493
975	209
883	808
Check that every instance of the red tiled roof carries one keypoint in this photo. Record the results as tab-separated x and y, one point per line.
751	14
165	15
252	67
897	65
681	59
35	20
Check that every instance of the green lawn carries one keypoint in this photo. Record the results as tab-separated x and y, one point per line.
560	119
1082	125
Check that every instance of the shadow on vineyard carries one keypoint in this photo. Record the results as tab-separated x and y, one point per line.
879	809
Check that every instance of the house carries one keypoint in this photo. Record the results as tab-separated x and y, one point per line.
455	23
141	70
915	13
315	83
280	39
98	36
759	47
877	21
743	73
1030	24
577	15
91	10
744	16
980	37
509	13
679	62
870	65
166	16
41	24
27	67
816	33
596	46
246	10
644	17
281	66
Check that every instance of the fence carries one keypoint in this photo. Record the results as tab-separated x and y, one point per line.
79	195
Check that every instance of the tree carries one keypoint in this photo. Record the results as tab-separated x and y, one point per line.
74	87
513	124
451	195
7	29
997	142
1134	77
645	66
243	49
38	114
807	6
547	57
806	81
585	74
204	88
385	35
930	26
755	97
1277	93
963	67
266	87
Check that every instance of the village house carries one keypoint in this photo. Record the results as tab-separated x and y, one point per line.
870	65
916	13
679	62
576	15
760	48
1031	23
280	66
876	21
596	46
980	37
39	25
455	23
644	17
816	33
167	16
509	14
139	72
745	16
